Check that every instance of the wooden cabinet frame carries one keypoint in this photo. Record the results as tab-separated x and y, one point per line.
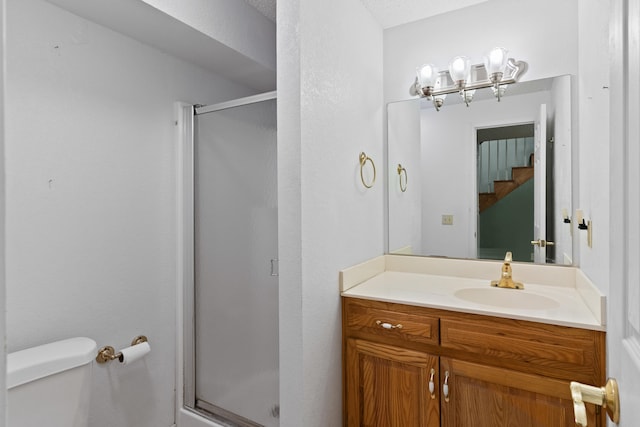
500	371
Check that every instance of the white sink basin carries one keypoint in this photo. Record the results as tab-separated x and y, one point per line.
506	298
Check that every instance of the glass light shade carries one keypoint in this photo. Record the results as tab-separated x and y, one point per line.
459	68
427	75
496	60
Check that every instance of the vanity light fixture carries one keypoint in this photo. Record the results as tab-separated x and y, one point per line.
496	72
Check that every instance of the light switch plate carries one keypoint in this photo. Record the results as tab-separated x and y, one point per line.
447	219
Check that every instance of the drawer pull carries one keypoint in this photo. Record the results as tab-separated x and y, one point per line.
445	386
432	386
387	325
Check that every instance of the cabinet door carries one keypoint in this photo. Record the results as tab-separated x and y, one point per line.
483	396
388	386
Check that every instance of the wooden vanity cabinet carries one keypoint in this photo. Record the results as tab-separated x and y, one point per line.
486	396
386	381
388	386
499	372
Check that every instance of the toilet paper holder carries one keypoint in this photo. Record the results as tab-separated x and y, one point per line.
108	353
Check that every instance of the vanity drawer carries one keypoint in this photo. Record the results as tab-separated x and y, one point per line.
555	351
388	321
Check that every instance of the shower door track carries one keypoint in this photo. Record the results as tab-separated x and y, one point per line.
222	416
204	109
186	256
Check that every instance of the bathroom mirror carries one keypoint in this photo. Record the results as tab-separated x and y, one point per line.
464	182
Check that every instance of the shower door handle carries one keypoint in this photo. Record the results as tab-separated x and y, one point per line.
275	268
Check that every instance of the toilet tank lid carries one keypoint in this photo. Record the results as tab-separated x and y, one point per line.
37	362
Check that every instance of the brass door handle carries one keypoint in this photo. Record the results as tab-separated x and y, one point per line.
542	243
607	397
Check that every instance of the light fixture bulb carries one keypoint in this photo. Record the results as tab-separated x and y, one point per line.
427	77
496	61
459	69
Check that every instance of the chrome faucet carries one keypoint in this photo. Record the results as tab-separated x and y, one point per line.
505	280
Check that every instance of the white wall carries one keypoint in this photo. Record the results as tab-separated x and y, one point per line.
329	110
543	33
91	198
227	37
232	22
449	166
593	140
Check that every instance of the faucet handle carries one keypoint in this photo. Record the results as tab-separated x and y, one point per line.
508	257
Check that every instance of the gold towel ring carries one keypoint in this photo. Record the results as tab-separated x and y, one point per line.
402	171
363	160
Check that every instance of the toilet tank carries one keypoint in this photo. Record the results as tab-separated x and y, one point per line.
49	385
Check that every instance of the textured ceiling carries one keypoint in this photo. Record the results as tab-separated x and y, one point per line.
265	7
389	13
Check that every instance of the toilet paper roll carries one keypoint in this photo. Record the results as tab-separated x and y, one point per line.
134	353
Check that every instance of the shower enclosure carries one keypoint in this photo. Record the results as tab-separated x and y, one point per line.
231	303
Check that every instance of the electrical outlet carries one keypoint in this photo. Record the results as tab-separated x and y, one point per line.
447	219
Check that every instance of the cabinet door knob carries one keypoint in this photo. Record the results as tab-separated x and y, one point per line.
388	325
432	386
445	387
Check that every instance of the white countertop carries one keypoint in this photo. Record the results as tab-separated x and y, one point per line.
574	302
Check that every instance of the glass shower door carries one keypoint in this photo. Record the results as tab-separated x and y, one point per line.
235	253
